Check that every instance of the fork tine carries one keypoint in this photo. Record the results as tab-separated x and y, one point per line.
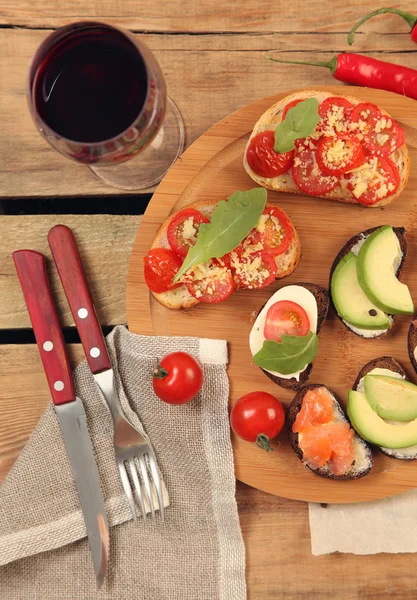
157	482
128	490
144	473
137	487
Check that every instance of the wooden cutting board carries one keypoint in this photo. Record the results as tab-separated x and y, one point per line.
212	169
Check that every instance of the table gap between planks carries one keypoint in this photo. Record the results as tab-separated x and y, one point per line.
211	54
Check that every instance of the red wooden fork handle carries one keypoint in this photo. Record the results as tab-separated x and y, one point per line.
31	269
70	269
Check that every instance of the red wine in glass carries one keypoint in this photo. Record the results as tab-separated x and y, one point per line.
98	96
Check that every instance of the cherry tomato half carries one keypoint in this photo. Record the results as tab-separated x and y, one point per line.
308	177
384	136
276	233
263	159
286	317
335	106
338	154
256	271
160	267
181	237
178	378
257	417
379	185
363	114
214	287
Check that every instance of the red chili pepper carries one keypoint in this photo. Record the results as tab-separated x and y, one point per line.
368	72
411	20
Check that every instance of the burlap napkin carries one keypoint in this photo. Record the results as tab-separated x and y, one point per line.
387	525
197	554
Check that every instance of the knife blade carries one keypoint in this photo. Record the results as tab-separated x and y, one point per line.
31	270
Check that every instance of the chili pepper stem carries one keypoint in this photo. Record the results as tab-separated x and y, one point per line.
159	372
410	18
262	441
331	64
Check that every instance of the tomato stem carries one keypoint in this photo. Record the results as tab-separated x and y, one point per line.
160	372
263	441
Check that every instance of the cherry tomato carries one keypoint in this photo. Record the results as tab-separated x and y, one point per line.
179	242
290	105
382	183
263	159
160	268
214	287
276	233
256	271
286	317
308	177
336	155
363	112
178	378
384	136
334	105
258	417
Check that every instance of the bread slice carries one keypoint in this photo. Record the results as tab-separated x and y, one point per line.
323	302
180	297
387	362
401	235
412	342
285	183
363	462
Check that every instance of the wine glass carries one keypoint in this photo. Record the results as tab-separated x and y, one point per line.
97	95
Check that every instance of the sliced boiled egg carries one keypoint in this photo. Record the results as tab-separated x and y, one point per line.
293	293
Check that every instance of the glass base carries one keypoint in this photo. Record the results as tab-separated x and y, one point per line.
148	168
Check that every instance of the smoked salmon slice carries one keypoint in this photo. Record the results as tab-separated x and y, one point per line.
322	439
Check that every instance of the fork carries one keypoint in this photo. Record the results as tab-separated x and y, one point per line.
135	457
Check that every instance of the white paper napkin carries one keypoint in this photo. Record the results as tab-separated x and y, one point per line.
388	525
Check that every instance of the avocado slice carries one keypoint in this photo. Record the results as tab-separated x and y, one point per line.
376	266
391	397
350	300
374	429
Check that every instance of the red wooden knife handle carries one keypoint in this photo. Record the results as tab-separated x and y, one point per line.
68	262
31	269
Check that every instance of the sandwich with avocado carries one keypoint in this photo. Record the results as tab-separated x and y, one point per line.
382	408
365	290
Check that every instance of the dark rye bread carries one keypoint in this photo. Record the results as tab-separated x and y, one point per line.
400	233
323	302
412	342
363	462
388	362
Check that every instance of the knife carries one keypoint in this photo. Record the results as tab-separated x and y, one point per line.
31	270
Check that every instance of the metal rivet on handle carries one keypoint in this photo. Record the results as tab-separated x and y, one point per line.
95	352
83	313
59	386
47	346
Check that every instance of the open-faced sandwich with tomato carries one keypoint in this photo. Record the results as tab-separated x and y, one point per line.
209	249
364	285
322	437
283	340
332	147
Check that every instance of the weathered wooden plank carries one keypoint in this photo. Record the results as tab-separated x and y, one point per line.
24	395
208	77
105	243
203	15
275	530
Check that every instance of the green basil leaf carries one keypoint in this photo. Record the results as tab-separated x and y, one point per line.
230	223
290	355
300	122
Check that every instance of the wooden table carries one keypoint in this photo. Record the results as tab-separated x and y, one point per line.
211	54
